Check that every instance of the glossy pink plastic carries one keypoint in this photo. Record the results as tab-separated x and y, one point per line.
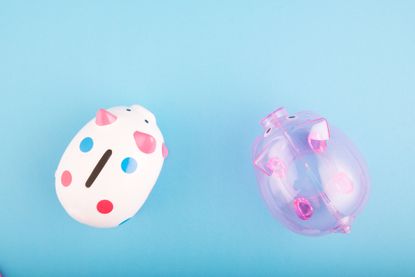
310	174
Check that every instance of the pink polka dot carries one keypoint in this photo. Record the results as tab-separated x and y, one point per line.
164	151
343	183
66	178
104	206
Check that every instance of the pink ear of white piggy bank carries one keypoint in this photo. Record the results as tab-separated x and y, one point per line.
310	174
110	167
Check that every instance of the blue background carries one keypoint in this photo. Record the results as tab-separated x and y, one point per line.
209	70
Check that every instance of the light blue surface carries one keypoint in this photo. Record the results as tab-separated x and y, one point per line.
209	71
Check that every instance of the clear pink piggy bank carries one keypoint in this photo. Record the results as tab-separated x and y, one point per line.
310	174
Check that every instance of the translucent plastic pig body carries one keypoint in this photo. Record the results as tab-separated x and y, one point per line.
311	176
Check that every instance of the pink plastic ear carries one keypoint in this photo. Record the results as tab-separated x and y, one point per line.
145	142
104	117
319	135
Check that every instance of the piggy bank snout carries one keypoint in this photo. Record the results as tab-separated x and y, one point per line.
274	118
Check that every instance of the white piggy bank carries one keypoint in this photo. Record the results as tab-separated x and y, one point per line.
110	167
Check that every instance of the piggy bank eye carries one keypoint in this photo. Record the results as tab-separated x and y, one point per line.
267	132
128	165
86	144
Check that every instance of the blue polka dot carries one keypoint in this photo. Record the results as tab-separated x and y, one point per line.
129	165
86	144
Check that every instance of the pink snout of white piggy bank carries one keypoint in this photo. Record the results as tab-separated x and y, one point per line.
310	174
110	167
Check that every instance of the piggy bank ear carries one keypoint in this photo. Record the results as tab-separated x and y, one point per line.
319	135
104	117
145	142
